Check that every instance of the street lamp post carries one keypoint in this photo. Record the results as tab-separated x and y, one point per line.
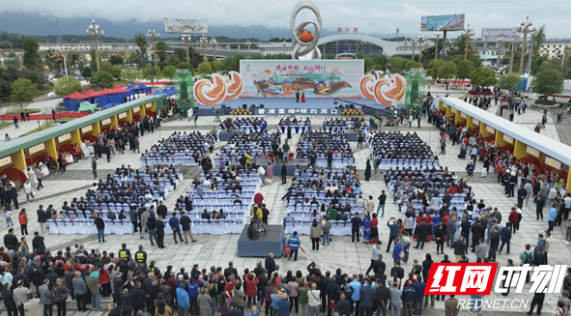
413	43
405	44
186	38
248	46
94	31
284	44
529	58
203	43
467	34
499	52
421	41
525	28
153	36
214	44
436	39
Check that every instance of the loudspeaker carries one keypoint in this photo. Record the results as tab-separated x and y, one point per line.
244	106
223	106
261	106
351	106
253	106
340	107
347	106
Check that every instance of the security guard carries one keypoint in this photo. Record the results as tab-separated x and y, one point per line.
141	256
124	253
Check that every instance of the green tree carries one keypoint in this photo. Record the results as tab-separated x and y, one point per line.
464	68
132	74
397	64
23	90
67	85
168	71
106	66
368	64
447	70
483	77
162	48
102	79
381	61
140	54
151	73
32	59
510	80
86	72
205	68
216	66
117	71
116	59
411	64
185	65
432	68
330	56
233	62
548	82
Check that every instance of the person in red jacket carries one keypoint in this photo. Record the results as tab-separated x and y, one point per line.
251	290
23	219
513	219
259	199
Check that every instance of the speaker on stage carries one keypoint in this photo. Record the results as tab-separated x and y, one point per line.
261	106
244	106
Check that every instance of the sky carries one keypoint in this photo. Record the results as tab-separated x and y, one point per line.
371	17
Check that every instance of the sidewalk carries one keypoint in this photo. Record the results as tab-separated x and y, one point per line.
25	127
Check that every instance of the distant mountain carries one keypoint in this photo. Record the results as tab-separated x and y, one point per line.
32	24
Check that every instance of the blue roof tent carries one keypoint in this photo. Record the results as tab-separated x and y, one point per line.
144	88
71	104
130	87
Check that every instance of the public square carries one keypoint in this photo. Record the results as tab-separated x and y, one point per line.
218	250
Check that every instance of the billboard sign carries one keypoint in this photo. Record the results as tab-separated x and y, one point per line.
190	26
453	22
505	34
316	78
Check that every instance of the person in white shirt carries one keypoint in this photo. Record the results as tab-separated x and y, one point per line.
314	300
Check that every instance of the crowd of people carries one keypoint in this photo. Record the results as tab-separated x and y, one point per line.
343	126
243	124
287	126
181	148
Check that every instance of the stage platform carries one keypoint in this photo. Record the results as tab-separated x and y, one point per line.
270	241
288	106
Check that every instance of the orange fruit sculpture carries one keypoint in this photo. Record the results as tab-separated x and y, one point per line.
305	36
210	93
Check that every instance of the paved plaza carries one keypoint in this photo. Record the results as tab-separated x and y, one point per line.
218	250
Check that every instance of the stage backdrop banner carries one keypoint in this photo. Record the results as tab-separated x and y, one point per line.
317	78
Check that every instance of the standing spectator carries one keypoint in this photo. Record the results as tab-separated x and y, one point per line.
283	172
182	299
13	196
42	219
92	283
450	231
481	250
314	300
46	298
15	119
315	233
185	222
160	227
367	298
303	298
21	297
8	298
408	297
494	244
80	289
356	222
393	231
294	243
270	264
374	256
451	306
39	176
100	224
551	217
505	237
23	219
175	226
419	286
326	229
538	299
59	297
29	190
382	199
38	245
284	306
94	167
396	294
